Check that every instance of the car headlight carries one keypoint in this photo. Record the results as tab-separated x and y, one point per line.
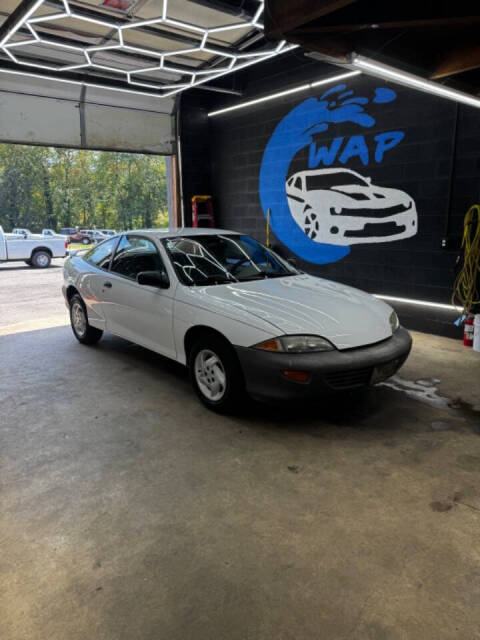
394	321
335	211
295	344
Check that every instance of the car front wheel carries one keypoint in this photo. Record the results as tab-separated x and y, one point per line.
216	374
82	330
86	241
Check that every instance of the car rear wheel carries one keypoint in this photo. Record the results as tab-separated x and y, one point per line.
41	260
85	240
216	374
82	330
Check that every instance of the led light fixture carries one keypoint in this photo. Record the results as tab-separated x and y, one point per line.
420	303
410	80
280	94
30	30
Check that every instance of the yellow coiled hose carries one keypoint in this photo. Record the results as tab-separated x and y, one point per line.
465	289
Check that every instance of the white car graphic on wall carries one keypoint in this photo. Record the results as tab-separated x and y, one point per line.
342	207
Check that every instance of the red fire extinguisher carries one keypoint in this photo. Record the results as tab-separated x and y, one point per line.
468	332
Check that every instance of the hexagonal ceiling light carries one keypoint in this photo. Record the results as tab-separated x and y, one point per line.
24	34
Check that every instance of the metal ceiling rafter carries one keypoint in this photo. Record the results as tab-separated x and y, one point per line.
234	59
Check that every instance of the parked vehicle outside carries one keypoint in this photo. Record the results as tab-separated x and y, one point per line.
94	234
238	315
22	232
35	250
50	233
108	232
74	236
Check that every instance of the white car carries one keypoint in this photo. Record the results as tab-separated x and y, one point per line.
50	233
238	315
94	235
341	207
108	232
21	232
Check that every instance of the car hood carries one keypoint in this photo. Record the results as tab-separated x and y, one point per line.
375	194
304	304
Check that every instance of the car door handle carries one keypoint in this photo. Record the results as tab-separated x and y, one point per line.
108	285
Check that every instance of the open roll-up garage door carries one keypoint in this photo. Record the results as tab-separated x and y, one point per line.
39	111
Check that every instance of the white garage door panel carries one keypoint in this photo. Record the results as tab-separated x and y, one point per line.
40	111
128	129
38	120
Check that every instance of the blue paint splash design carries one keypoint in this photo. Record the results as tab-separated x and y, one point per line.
292	134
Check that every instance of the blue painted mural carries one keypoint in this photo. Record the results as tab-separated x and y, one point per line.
318	213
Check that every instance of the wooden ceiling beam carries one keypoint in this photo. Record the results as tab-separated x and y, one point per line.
434	23
283	16
464	58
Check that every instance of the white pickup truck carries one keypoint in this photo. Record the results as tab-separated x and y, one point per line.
34	249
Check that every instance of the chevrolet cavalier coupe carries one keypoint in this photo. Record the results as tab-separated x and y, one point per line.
239	316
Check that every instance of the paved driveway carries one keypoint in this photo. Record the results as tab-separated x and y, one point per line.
31	298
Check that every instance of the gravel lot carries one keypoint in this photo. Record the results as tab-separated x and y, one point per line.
31	298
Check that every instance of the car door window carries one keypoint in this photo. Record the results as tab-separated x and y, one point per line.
100	256
135	254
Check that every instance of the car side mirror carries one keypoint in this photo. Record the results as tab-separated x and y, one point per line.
157	279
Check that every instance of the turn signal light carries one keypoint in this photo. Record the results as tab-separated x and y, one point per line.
269	345
296	376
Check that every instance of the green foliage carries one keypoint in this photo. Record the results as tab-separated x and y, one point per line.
41	187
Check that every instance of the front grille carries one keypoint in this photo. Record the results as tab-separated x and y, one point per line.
348	379
385	212
377	230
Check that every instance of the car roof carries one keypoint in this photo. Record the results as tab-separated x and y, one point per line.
314	172
168	232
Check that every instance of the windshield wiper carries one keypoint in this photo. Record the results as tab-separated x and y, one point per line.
216	279
262	275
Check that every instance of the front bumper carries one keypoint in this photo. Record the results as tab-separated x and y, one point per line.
329	371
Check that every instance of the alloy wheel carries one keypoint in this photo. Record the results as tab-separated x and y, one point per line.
79	321
210	375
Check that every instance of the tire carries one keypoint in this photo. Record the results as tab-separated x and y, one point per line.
216	374
40	259
83	331
85	240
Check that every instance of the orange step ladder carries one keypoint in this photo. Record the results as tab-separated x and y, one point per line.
202	212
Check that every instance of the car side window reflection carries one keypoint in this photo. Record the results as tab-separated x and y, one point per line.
100	255
135	254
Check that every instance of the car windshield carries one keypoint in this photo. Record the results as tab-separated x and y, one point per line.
329	180
223	259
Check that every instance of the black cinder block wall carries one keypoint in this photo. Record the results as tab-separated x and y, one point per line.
415	158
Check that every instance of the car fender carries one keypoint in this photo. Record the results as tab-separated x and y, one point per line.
240	328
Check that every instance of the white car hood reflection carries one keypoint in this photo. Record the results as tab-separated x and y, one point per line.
304	304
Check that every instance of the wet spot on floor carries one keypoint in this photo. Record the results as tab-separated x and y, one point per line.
427	382
424	390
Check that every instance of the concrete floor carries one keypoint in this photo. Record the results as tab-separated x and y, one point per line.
128	511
